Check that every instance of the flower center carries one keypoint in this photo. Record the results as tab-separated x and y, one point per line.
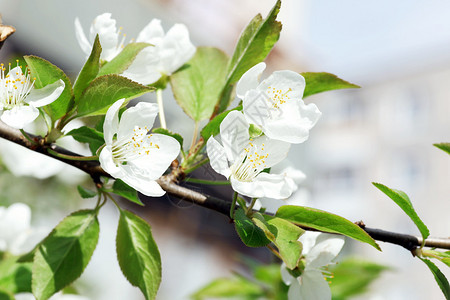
136	145
14	88
277	97
251	163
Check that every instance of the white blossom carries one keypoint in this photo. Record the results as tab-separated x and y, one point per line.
276	104
169	53
319	249
19	99
242	160
133	155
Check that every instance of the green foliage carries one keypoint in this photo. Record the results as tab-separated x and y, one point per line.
47	73
284	235
196	86
250	234
236	287
176	136
405	204
103	91
85	193
123	60
4	295
439	277
15	277
213	127
322	82
270	276
89	71
324	221
88	135
352	277
138	254
65	253
443	146
255	43
124	190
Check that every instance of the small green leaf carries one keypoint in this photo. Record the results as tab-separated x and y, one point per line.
15	277
324	221
103	91
352	277
443	146
405	204
138	254
89	71
255	43
176	136
439	276
5	295
47	73
322	82
88	135
65	253
442	256
123	60
226	288
85	193
124	190
196	86
213	127
284	235
250	234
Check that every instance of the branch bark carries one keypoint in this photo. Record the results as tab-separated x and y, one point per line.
222	206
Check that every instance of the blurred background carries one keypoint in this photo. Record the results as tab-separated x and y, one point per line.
398	52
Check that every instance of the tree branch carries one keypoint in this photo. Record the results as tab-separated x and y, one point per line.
167	182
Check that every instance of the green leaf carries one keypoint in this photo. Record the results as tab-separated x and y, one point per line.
197	86
88	135
123	60
443	146
284	235
89	71
92	137
103	91
322	82
138	254
439	277
47	73
85	193
405	204
15	277
4	295
255	43
352	277
250	234
442	256
124	190
213	127
176	136
65	253
324	221
238	287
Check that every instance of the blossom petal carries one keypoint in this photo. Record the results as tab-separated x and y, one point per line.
13	221
234	134
145	67
250	80
294	122
142	115
175	49
155	163
15	73
289	82
264	185
45	95
107	163
19	116
147	187
217	157
111	124
276	150
312	286
287	278
81	38
258	108
105	27
327	247
308	240
152	33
